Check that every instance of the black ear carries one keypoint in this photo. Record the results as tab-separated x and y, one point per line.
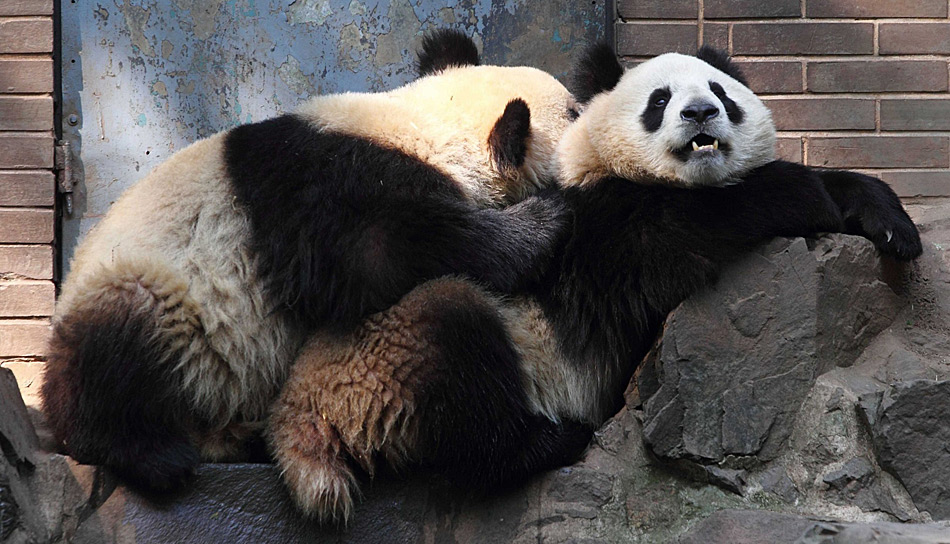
445	47
597	70
720	60
508	140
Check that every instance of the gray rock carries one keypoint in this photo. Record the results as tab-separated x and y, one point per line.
757	527
730	479
855	474
736	361
776	481
910	425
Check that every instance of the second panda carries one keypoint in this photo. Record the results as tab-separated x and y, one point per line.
187	303
669	173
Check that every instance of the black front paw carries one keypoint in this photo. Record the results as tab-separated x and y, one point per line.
894	234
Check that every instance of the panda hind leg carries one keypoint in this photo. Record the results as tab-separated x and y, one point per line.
109	392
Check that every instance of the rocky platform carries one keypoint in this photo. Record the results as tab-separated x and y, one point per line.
803	399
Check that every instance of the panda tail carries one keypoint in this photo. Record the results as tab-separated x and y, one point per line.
109	391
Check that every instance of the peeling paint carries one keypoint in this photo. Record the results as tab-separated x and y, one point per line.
167	49
291	74
159	89
203	14
352	48
309	11
136	19
357	9
447	15
402	36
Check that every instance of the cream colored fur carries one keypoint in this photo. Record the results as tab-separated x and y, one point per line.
609	138
445	120
178	234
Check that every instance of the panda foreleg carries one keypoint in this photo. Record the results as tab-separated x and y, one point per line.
110	393
872	209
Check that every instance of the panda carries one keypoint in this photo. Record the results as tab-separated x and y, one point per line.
669	174
188	302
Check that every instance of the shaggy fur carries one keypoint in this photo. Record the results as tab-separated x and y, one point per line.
187	303
501	388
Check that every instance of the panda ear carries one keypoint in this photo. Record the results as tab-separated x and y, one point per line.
597	70
720	60
508	140
444	48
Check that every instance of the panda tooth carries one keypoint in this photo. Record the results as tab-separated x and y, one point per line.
715	144
695	146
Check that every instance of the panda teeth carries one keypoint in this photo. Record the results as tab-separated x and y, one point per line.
716	144
695	146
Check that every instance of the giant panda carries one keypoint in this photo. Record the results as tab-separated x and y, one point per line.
669	174
187	303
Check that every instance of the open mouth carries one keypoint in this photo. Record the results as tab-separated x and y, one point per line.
701	145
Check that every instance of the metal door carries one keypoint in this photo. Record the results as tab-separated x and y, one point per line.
144	78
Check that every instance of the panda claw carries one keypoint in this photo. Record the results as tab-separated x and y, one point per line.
890	235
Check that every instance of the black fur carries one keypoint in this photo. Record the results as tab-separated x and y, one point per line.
444	48
343	227
110	395
721	61
637	250
597	71
478	427
733	111
508	140
652	116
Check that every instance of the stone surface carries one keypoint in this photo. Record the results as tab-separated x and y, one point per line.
910	424
756	527
737	360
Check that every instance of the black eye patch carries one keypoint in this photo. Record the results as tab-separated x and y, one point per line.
652	116
735	113
573	114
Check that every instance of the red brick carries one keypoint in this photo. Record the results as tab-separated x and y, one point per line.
26	35
649	39
914	38
658	9
25	150
716	35
26	75
877	76
27	188
919	182
26	113
879	151
919	114
822	113
876	8
23	337
737	9
773	76
27	298
804	38
33	262
789	149
26	7
26	226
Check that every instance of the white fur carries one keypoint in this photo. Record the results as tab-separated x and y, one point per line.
609	138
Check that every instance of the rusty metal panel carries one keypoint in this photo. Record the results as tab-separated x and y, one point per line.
144	78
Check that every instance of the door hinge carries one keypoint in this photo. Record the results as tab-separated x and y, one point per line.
62	161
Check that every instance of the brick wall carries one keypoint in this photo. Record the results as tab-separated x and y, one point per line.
27	185
859	84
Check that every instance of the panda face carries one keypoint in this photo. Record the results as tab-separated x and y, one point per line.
676	118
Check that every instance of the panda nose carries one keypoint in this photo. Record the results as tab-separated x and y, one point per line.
699	113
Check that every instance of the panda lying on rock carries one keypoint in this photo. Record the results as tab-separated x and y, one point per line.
186	305
669	174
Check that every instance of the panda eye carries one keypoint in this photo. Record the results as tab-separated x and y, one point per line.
659	98
573	114
659	102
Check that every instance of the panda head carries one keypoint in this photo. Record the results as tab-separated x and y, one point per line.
510	117
679	119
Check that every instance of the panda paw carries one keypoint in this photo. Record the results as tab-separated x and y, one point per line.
893	233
